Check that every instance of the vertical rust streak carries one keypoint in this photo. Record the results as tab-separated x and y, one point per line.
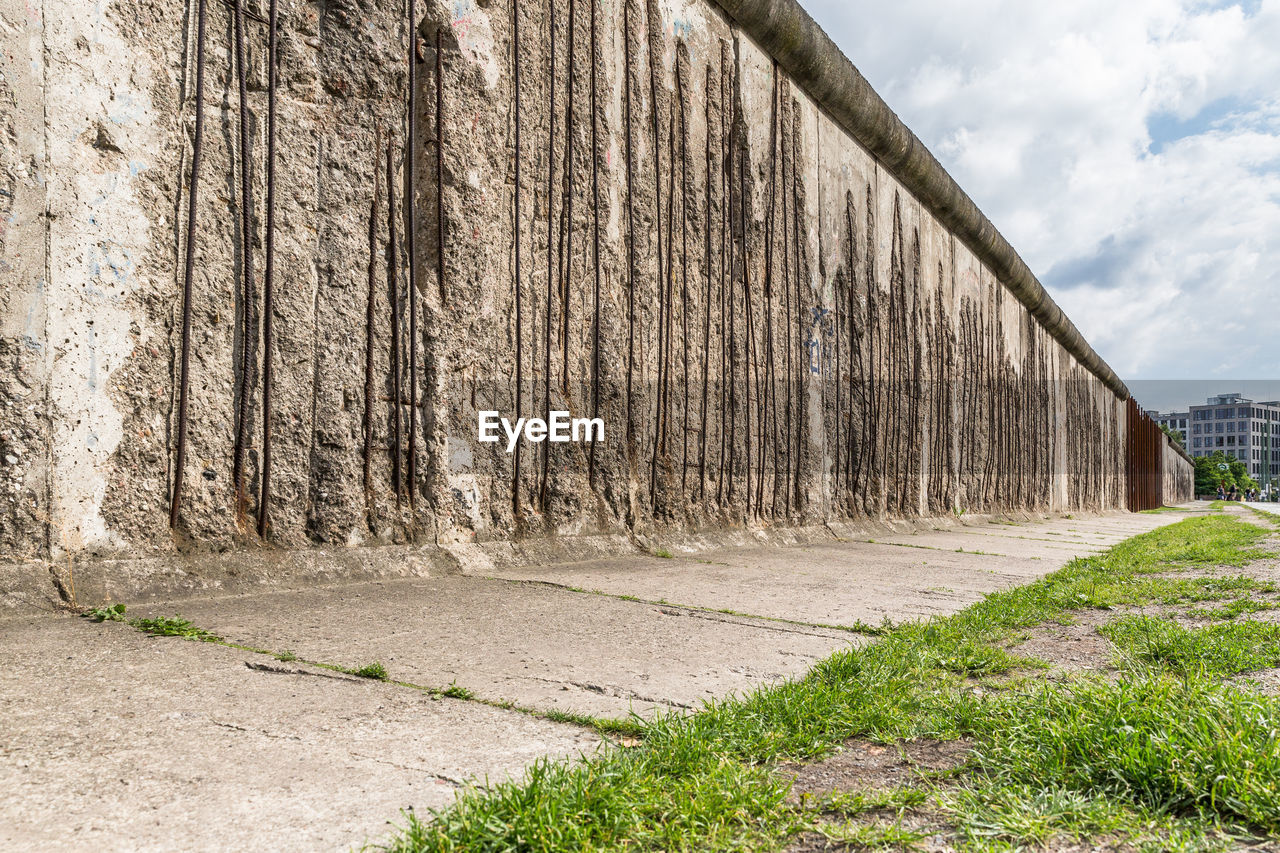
664	320
551	170
184	367
684	278
669	293
790	322
731	159
268	276
393	289
411	232
247	342
370	389
515	277
440	230
726	204
749	340
706	305
631	229
770	226
566	272
650	24
595	236
803	361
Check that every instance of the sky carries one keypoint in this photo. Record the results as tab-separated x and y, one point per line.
1130	152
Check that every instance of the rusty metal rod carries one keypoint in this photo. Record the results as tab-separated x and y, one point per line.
515	278
595	236
706	305
247	342
370	389
770	227
410	239
729	282
268	275
726	206
184	369
551	171
393	289
440	242
684	277
566	272
631	228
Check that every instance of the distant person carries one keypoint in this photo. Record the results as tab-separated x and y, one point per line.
1222	495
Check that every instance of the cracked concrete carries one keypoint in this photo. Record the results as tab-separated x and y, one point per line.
117	740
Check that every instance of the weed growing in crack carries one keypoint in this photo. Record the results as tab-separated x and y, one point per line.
457	691
375	671
174	626
159	626
111	613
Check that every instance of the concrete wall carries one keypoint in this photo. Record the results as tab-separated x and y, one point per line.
776	330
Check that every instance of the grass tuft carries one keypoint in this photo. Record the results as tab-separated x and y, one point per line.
375	671
1215	650
457	691
174	626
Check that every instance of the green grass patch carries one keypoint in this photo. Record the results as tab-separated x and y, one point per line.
1231	610
1152	758
1174	746
375	671
1221	649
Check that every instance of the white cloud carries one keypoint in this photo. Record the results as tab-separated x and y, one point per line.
1130	151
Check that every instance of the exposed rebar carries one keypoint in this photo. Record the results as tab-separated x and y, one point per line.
184	369
268	274
551	172
247	341
393	289
515	278
370	389
631	229
411	235
595	204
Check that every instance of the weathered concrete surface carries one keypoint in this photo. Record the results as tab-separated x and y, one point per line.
535	644
844	582
114	740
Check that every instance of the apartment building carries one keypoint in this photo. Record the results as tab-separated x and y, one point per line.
1240	427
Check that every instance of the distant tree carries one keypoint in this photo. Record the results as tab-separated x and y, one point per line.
1210	474
1174	435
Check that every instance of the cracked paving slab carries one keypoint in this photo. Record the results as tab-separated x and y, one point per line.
534	644
113	740
843	583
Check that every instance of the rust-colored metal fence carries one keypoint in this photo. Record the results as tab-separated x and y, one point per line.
1144	455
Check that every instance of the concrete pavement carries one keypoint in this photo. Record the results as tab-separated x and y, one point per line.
116	740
